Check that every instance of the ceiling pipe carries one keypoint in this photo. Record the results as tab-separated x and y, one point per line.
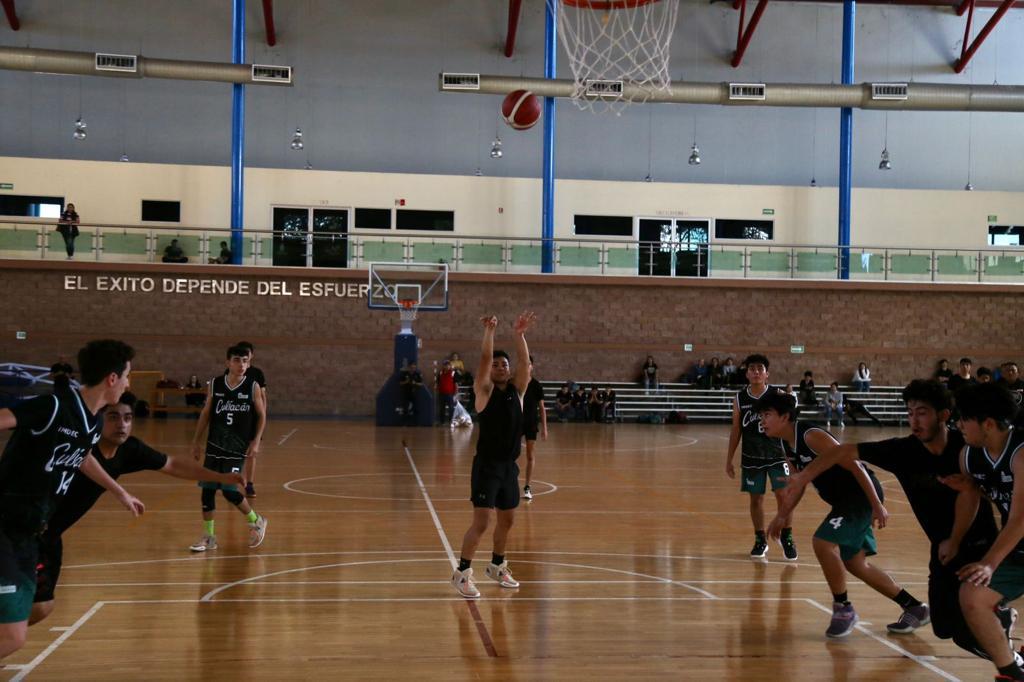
12	15
84	64
513	26
268	22
967	52
743	36
920	96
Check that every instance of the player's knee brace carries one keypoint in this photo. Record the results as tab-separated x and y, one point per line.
209	499
233	496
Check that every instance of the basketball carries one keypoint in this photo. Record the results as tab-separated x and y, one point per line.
521	109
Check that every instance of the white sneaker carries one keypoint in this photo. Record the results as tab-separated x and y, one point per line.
527	493
205	543
502	575
462	581
257	531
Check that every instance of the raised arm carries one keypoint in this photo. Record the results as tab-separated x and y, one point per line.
482	385
522	377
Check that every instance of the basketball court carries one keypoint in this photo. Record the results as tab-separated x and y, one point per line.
632	557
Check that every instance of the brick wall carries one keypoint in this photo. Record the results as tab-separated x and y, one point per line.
329	355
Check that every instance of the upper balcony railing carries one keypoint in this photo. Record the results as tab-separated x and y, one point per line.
34	239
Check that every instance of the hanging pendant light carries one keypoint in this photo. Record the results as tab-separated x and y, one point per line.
80	127
496	152
694	159
297	143
885	163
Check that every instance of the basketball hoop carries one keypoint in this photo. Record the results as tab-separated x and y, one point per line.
614	43
407	309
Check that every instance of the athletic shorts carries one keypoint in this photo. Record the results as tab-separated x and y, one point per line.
849	526
530	430
1008	580
755	481
495	484
222	465
51	557
17	575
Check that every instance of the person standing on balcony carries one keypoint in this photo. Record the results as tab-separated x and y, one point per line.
68	228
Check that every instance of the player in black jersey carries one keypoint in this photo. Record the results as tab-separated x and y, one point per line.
762	459
844	539
495	477
994	458
118	452
235	414
261	380
535	420
921	463
52	437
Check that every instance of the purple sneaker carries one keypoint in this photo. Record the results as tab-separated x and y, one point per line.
843	620
910	620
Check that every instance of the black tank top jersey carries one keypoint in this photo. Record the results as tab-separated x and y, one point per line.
996	477
835	485
759	451
501	425
232	418
53	436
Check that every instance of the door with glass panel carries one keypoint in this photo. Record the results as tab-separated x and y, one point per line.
292	235
673	247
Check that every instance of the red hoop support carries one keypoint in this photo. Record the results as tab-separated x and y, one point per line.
605	5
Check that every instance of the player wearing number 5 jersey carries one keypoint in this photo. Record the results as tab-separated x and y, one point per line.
762	459
235	414
844	539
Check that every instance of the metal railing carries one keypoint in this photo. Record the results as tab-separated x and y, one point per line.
38	239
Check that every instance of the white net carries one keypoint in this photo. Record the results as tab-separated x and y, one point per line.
618	49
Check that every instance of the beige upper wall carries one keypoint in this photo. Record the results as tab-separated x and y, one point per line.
110	192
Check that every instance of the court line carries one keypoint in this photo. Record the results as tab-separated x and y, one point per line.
287	436
650	581
288	486
895	647
481	627
31	665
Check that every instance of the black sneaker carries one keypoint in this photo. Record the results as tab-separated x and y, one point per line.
250	491
789	547
759	549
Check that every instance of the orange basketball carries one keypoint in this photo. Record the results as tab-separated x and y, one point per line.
521	109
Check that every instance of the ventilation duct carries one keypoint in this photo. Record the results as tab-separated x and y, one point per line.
132	66
919	96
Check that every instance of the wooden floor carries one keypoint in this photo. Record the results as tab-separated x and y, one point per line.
632	558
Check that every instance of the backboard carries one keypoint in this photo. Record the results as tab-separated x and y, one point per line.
416	286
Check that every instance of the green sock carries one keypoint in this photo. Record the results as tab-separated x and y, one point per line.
208	525
252	516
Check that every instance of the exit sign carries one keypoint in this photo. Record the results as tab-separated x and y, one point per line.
6	185
796	349
993	218
767	211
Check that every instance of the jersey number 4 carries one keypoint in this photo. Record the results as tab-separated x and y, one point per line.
836	522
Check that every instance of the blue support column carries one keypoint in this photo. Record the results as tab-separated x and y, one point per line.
846	143
548	170
237	132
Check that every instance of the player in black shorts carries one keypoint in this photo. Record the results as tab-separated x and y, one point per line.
52	439
495	477
534	415
234	412
118	452
921	463
994	458
261	380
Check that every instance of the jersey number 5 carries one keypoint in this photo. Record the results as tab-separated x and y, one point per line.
229	418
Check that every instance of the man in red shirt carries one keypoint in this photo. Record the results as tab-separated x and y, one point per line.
447	391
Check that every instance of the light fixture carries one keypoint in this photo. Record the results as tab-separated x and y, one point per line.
496	152
478	172
694	159
308	165
814	182
968	187
124	158
885	163
297	140
648	178
80	127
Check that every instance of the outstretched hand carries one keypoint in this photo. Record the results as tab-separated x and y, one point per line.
524	322
489	321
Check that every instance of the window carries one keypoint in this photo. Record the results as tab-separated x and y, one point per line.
438	221
373	218
26	206
744	229
1005	235
603	225
161	211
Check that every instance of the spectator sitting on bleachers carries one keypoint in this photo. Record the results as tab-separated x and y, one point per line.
649	374
792	391
807	396
699	374
862	378
728	369
943	373
173	253
563	403
608	407
962	377
594	401
984	375
739	377
715	375
579	404
834	403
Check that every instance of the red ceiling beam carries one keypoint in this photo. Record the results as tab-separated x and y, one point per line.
513	26
268	22
743	36
12	16
966	51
